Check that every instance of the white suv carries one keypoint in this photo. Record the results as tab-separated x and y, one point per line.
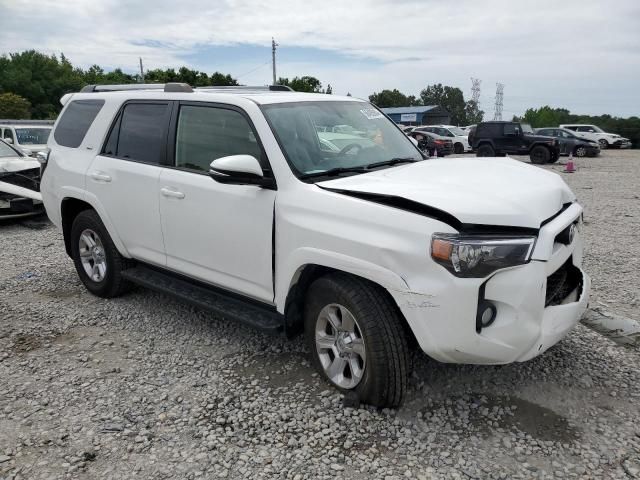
595	133
228	199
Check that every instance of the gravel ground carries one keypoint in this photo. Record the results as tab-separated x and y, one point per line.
143	386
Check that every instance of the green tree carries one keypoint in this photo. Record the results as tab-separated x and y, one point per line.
14	107
392	98
302	84
450	98
472	113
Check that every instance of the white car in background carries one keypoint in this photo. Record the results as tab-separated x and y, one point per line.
29	136
458	137
593	132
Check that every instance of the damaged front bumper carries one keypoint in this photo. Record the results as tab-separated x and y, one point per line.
536	304
20	193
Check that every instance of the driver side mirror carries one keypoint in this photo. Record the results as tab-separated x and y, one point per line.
8	140
240	170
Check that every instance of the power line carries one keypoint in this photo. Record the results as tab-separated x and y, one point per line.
499	97
254	69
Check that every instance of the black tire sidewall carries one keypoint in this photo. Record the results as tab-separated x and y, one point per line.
488	149
542	161
89	219
325	291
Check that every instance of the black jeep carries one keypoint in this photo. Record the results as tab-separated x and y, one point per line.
496	139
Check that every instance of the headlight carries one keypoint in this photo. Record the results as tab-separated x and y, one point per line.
480	255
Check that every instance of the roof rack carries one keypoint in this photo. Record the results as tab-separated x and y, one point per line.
26	122
181	87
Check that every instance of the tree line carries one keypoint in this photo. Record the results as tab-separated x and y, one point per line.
552	117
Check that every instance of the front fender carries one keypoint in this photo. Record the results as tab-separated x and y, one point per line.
304	256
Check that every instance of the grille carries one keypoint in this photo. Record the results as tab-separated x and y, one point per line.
562	282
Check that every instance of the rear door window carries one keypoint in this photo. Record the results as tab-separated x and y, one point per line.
75	122
140	133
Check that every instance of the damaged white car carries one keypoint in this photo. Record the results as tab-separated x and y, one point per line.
19	184
229	199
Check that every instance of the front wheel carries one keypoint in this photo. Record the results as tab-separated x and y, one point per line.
603	144
357	342
580	152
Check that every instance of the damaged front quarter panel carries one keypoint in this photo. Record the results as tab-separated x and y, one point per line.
20	188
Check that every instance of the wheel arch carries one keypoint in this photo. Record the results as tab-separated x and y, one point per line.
70	207
292	298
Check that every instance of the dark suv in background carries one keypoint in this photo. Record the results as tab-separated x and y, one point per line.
570	142
496	139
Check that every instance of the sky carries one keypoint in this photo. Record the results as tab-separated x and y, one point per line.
583	55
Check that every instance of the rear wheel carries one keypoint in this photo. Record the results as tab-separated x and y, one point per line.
540	155
458	148
356	338
97	261
485	151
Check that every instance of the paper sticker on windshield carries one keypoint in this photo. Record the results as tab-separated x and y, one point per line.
371	113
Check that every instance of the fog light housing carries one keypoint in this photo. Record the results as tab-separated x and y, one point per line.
486	315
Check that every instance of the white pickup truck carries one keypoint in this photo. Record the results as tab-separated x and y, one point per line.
229	198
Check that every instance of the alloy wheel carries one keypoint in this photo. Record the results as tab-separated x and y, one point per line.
92	255
340	346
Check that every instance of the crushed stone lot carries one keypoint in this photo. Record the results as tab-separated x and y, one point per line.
143	386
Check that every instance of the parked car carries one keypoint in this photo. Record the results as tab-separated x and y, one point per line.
19	184
224	198
430	142
30	136
335	142
593	132
570	142
457	136
491	139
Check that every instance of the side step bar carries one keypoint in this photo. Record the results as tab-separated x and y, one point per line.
215	300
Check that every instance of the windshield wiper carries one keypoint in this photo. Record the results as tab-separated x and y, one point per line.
393	161
332	172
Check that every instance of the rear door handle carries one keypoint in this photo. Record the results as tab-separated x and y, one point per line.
167	192
100	176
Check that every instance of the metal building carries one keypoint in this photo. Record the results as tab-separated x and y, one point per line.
418	115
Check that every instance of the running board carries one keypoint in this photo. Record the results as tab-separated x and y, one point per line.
214	300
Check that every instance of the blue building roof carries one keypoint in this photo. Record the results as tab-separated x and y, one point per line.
401	110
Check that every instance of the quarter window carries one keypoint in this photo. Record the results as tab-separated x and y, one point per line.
140	133
207	133
75	122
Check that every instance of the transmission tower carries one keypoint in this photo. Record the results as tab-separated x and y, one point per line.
499	96
475	90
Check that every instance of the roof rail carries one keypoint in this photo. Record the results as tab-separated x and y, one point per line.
26	122
167	87
244	88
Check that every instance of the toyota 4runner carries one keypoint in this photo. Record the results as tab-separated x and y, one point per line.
231	200
490	139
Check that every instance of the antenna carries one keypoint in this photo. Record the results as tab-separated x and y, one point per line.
499	97
273	58
141	72
475	90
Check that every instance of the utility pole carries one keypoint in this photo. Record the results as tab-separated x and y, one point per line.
141	72
499	97
273	58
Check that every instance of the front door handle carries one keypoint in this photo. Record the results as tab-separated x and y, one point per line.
100	176
167	192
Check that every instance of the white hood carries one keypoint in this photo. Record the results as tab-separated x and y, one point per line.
18	164
479	190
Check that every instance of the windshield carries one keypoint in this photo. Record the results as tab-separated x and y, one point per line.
32	136
526	128
320	136
7	151
458	131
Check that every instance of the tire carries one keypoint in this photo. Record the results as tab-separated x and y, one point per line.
580	152
486	150
458	148
342	311
105	261
540	155
603	144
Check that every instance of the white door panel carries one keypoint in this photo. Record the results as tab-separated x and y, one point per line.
129	194
219	234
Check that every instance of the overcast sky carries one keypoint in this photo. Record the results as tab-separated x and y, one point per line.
579	54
